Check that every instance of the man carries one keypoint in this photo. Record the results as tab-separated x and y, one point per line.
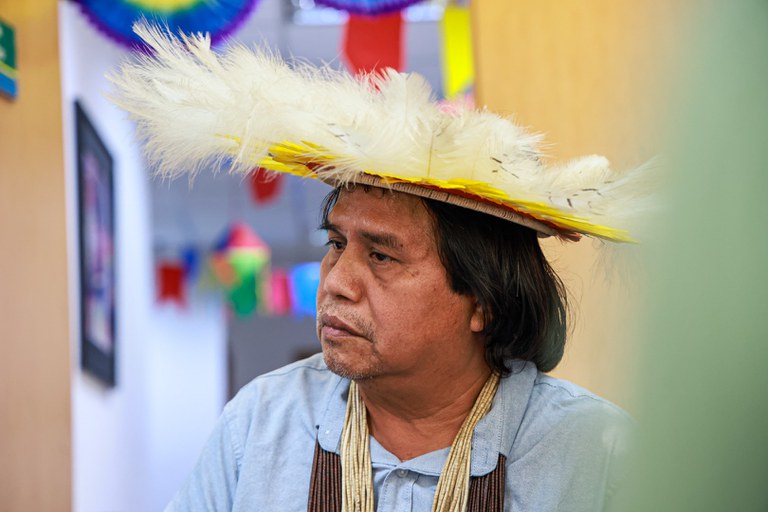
437	311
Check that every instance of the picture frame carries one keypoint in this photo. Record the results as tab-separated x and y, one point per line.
96	227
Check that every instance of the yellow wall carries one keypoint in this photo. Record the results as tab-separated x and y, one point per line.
35	445
590	76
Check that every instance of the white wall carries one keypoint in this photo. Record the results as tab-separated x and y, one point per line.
133	444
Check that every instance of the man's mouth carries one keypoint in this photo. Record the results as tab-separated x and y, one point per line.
334	327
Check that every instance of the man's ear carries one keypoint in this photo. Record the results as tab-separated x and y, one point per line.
477	321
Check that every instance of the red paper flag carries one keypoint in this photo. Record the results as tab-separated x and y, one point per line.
170	278
265	186
373	42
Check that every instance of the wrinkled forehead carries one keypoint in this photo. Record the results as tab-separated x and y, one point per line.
373	205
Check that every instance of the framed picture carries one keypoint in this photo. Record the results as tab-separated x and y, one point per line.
96	222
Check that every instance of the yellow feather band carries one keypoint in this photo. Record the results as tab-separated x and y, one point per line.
307	160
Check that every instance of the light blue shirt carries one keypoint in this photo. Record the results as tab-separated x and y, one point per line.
565	448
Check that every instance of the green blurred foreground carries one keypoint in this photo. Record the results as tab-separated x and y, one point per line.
705	376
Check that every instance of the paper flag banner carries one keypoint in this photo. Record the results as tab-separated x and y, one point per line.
170	283
240	236
239	262
371	43
190	258
305	279
280	302
456	54
244	298
265	186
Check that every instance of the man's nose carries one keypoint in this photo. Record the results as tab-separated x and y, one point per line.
341	278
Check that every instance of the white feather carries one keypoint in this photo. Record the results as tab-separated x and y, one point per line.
195	108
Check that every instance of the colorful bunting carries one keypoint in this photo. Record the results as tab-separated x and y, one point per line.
238	263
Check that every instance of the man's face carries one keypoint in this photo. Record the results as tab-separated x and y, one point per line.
385	306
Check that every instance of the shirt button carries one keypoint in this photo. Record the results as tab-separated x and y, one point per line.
402	473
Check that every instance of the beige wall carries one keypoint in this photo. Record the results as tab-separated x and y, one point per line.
35	445
590	76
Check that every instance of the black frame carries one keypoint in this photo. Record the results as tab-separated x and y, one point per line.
96	226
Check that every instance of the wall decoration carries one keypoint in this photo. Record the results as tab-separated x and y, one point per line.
190	260
265	185
304	281
456	52
9	74
97	251
368	7
171	283
239	263
279	300
115	18
371	43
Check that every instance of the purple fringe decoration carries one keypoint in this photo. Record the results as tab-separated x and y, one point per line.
368	7
115	18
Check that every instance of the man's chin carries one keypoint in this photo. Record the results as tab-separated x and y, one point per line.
344	369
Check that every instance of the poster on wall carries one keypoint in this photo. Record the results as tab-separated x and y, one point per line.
97	251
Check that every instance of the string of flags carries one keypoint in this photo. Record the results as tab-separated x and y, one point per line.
239	264
373	36
239	267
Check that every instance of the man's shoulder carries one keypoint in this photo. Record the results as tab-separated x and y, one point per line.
569	400
312	365
569	434
299	391
563	414
292	381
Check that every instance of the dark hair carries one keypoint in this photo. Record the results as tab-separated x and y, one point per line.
501	264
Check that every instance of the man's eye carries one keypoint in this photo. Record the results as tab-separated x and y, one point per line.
380	258
336	245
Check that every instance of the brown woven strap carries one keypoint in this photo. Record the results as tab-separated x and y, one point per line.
325	485
486	493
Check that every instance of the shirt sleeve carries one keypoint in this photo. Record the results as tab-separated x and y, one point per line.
211	485
572	452
620	463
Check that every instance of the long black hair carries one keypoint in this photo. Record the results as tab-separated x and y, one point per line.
502	266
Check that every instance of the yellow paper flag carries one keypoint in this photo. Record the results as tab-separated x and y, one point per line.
458	66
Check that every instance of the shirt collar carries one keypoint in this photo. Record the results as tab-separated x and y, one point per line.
494	434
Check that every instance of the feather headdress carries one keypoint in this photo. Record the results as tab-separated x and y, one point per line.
247	108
